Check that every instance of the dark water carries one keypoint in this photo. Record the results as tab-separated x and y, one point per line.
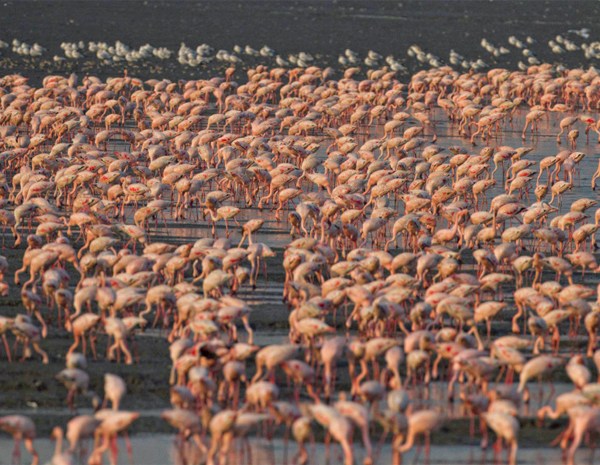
324	29
315	26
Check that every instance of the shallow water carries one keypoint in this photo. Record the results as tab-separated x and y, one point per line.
324	29
160	449
275	232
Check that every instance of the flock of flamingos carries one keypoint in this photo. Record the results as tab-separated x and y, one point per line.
408	262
